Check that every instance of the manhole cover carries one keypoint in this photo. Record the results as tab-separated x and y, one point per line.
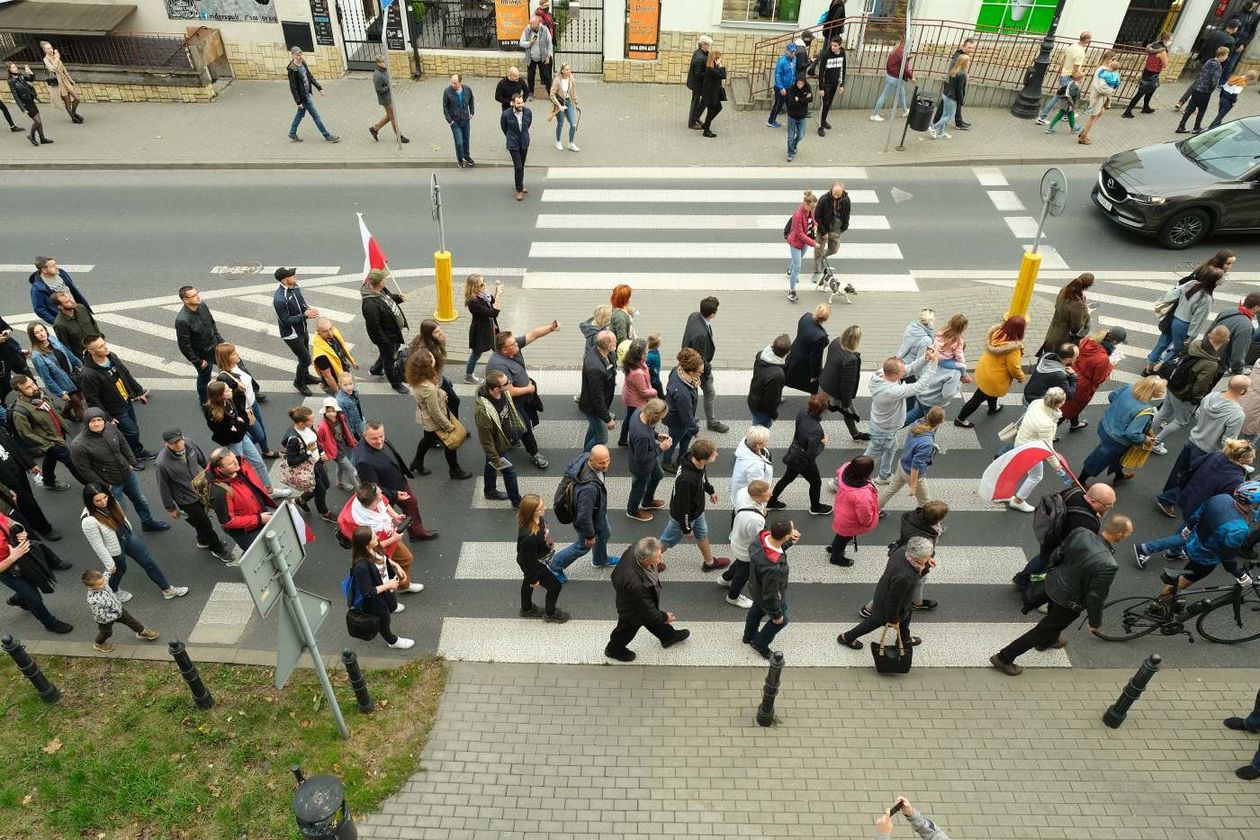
241	268
1181	269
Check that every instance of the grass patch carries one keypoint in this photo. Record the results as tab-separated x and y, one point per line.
125	755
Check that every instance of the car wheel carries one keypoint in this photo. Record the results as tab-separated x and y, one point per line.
1185	228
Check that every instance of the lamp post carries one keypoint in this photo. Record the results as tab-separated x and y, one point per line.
1028	103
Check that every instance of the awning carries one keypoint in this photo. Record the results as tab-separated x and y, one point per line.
62	18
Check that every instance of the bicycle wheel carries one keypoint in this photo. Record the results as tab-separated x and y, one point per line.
1131	618
1230	620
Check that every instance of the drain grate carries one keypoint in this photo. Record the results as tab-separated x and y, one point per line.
1181	269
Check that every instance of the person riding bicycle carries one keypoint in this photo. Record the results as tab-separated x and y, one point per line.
1216	532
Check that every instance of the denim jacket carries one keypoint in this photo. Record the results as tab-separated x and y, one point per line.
50	371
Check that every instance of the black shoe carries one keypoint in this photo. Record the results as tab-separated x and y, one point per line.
459	474
302	389
996	410
424	536
14	128
312	380
15	601
822	132
861	437
496	496
775	504
710	134
61	628
1248	773
376	135
420	469
460	164
623	655
557	617
841	561
146	455
764	653
34	142
827	126
401	389
1128	115
469	162
532	612
966	126
63	566
44	141
262	398
52	535
1236	723
1148	110
679	636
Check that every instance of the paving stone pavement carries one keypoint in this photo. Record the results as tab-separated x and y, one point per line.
559	752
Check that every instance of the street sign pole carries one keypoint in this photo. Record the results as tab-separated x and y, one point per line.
901	79
441	260
1053	203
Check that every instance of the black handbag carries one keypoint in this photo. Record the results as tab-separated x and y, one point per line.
891	659
362	625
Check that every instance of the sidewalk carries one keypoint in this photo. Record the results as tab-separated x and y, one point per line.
534	752
622	125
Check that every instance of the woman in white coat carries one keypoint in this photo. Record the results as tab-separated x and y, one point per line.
752	460
1038	423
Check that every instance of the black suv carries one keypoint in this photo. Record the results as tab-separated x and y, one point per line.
1182	191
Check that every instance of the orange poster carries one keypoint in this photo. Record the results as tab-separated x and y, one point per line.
643	29
510	19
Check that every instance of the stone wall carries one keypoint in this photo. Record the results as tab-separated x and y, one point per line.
268	61
674	57
489	64
108	92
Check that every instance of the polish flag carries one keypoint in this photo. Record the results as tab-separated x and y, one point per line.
373	256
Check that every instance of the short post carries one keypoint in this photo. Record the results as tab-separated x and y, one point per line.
765	712
201	695
320	808
441	259
48	692
357	682
1115	714
901	147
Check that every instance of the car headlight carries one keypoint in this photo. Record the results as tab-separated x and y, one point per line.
1153	200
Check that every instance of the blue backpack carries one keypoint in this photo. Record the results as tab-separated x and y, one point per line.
354	599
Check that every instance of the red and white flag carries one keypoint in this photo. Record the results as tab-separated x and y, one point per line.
373	256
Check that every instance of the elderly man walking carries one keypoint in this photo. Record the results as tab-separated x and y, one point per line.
638	588
536	41
599	381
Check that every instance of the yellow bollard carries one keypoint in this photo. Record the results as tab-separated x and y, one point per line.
1028	269
445	293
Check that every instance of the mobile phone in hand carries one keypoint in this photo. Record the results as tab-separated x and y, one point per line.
896	806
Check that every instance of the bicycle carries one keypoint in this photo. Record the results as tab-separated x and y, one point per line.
1229	615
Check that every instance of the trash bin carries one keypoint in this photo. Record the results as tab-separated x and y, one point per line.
790	11
319	806
921	112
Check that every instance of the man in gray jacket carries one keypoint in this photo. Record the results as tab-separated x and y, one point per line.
888	407
1243	331
925	828
101	455
1082	569
384	98
177	464
536	41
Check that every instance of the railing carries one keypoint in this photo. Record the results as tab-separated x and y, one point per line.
455	24
137	50
999	60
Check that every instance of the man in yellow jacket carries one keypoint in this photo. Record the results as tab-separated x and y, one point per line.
330	355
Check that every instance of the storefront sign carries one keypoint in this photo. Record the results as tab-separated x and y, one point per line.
394	39
322	22
233	11
510	19
643	29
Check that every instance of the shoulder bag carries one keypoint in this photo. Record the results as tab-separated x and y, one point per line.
891	660
454	437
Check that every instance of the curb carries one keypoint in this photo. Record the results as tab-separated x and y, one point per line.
216	654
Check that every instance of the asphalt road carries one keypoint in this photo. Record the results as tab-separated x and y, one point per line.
147	234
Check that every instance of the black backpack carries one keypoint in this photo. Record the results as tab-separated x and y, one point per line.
1182	373
400	364
563	504
1049	518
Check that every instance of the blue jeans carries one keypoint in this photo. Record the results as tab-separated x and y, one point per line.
460	130
247	450
891	83
760	419
1173	543
680	446
916	413
130	428
948	108
1170	342
138	551
565	556
797	255
567	111
258	431
673	533
643	487
596	432
1253	722
1172	486
131	486
761	638
29	596
1225	104
302	112
1105	457
203	380
489	482
795	131
1034	566
1045	109
471	367
883	448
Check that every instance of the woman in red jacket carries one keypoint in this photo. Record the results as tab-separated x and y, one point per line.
856	509
13	547
1093	367
798	236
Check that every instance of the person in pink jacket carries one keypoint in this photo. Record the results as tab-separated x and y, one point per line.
636	385
798	238
856	509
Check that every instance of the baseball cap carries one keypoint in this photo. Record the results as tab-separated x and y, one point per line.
1117	335
172	435
283	273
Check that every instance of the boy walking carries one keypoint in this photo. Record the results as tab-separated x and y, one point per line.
106	609
686	505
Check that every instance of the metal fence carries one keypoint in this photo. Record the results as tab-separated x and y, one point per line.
125	50
1000	60
470	24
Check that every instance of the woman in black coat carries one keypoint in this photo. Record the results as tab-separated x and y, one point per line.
371	590
805	359
808	443
711	90
839	379
484	308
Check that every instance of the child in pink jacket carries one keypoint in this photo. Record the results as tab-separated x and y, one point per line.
856	509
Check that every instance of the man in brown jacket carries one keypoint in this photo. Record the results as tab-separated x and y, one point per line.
38	425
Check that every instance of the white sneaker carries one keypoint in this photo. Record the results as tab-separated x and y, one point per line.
399	608
945	134
881	481
832	486
1019	505
723	584
402	644
559	145
123	596
415	587
175	592
932	133
743	602
573	147
1159	448
471	378
876	118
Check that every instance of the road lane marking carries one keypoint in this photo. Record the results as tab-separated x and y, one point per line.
707	173
773	282
790	198
989	176
670	221
1005	200
699	250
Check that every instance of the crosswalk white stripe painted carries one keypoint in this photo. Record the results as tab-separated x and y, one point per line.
698	250
1094	297
1005	200
252	357
717	643
707	173
270	270
772	282
1131	326
347	292
338	317
989	176
233	320
958	493
28	268
613	221
1023	227
967	565
1144	284
790	198
1050	256
137	358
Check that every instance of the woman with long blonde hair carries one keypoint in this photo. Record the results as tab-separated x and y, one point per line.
1126	422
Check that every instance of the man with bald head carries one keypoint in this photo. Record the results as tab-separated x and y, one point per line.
587	472
599	380
509	86
1082	509
1218	419
330	355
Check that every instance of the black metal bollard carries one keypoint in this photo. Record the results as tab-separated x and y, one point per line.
201	695
765	712
1115	714
48	692
320	808
357	682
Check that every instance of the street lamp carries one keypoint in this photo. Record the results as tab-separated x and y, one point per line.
1028	103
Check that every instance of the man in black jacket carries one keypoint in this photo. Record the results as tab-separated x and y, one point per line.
15	488
1054	370
102	456
686	505
196	333
292	313
698	335
831	217
1082	509
765	391
377	461
509	86
599	381
968	48
302	84
107	384
1078	582
768	583
894	594
831	77
385	323
638	589
695	79
644	459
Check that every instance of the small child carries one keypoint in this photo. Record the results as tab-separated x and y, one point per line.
654	361
1065	98
335	436
349	402
106	609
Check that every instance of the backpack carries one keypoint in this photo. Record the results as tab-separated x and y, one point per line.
562	505
399	364
1182	373
354	598
787	229
1049	517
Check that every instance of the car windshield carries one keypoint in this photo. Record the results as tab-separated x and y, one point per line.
1228	151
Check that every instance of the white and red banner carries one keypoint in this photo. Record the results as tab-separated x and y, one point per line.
373	256
1002	478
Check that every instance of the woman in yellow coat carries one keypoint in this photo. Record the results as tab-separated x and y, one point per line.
998	367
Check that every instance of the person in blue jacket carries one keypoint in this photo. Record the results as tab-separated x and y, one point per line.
784	78
1218	529
1126	422
292	313
48	278
681	396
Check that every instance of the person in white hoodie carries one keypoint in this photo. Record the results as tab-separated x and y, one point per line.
752	461
750	519
1040	420
890	387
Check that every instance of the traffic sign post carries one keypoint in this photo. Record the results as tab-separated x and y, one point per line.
1054	193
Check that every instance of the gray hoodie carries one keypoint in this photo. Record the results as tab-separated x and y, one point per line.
888	399
1218	420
